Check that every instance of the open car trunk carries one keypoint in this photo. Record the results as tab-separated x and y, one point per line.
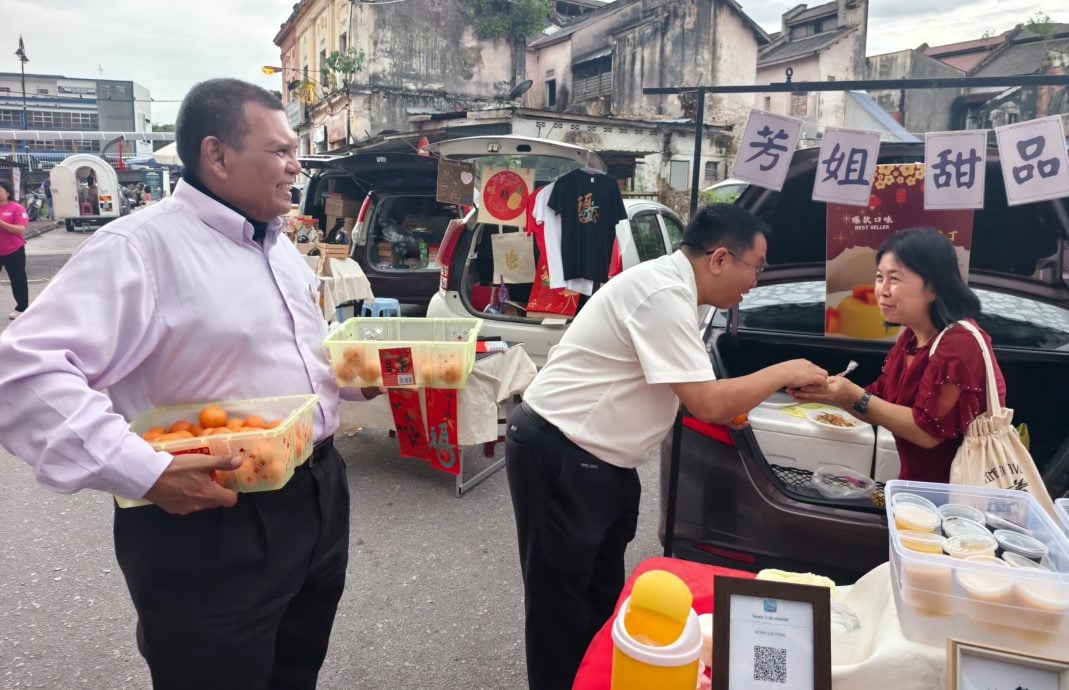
1025	373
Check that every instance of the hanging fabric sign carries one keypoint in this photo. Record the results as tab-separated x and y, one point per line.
408	420
503	196
1034	161
442	429
766	149
846	166
956	164
514	260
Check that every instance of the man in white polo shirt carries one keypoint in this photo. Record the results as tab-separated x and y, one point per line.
606	397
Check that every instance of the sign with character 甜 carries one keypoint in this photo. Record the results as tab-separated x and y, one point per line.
1034	162
955	163
846	166
766	149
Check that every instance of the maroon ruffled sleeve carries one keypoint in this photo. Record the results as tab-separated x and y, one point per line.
953	388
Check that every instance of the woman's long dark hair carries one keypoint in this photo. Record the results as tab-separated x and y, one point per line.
931	256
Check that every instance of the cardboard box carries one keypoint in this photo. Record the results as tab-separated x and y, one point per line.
340	207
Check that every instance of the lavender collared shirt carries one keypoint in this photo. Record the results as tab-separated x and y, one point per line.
175	304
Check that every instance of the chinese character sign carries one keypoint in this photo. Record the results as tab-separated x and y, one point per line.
854	235
766	149
503	199
846	166
1034	162
955	162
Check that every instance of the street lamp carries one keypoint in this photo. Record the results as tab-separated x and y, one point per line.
21	52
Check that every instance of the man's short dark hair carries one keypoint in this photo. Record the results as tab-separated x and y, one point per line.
216	108
722	225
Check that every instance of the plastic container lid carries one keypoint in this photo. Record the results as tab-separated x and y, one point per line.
1016	560
963	511
983	582
840	481
995	521
965	545
912	512
1022	544
953	526
925	542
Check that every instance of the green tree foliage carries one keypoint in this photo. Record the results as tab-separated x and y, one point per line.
516	20
341	67
1041	23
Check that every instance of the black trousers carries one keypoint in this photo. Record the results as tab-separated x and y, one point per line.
240	597
575	516
15	265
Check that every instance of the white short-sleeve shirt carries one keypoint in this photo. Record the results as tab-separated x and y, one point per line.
606	385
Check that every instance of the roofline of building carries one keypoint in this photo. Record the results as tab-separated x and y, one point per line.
849	30
566	32
95	80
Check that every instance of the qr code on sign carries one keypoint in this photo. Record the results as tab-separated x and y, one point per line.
770	664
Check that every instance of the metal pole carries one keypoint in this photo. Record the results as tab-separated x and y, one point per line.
22	64
695	173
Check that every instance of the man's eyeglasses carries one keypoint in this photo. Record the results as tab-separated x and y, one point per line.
758	270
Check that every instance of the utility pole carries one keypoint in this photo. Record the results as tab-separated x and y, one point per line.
21	53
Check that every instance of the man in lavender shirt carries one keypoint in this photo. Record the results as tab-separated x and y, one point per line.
196	298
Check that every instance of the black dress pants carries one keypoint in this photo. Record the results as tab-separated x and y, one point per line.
575	516
240	597
15	265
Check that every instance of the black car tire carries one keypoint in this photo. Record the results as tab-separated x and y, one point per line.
70	225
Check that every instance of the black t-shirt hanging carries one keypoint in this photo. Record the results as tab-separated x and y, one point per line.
589	205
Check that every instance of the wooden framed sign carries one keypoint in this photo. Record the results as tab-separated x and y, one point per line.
771	635
972	666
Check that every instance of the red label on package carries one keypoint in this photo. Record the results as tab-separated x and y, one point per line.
408	420
397	368
442	429
199	450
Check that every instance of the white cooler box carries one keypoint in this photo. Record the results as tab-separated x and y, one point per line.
888	465
795	442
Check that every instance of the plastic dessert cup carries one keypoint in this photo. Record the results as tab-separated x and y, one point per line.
966	545
987	593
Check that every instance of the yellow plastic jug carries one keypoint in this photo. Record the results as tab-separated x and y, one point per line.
656	636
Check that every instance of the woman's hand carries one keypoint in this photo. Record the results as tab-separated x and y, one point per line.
838	391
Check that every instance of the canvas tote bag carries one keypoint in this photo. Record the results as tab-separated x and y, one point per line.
514	260
991	454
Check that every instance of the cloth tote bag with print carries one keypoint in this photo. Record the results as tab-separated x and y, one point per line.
991	454
514	260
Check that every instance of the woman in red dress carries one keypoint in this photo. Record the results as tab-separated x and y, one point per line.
926	402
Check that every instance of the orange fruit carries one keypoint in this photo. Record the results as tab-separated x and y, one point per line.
345	372
254	422
370	371
221	431
272	472
740	420
154	433
353	355
223	478
450	372
182	425
263	452
273	423
174	436
205	432
235	424
213	417
196	429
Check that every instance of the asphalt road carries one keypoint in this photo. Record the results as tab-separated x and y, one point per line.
433	597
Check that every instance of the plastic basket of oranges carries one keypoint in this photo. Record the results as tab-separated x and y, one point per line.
442	351
271	435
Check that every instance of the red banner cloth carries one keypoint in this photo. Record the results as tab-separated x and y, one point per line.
595	671
442	429
408	420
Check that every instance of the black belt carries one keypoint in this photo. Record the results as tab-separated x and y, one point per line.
319	452
545	424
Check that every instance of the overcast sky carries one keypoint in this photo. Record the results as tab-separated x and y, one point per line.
168	46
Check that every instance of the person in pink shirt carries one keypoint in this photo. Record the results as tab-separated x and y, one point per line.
197	298
13	221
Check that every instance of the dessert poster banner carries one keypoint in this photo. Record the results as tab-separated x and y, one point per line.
503	197
855	233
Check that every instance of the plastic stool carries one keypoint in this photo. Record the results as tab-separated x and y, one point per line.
381	306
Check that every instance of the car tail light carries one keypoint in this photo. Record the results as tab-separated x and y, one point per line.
717	432
447	248
736	556
364	208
